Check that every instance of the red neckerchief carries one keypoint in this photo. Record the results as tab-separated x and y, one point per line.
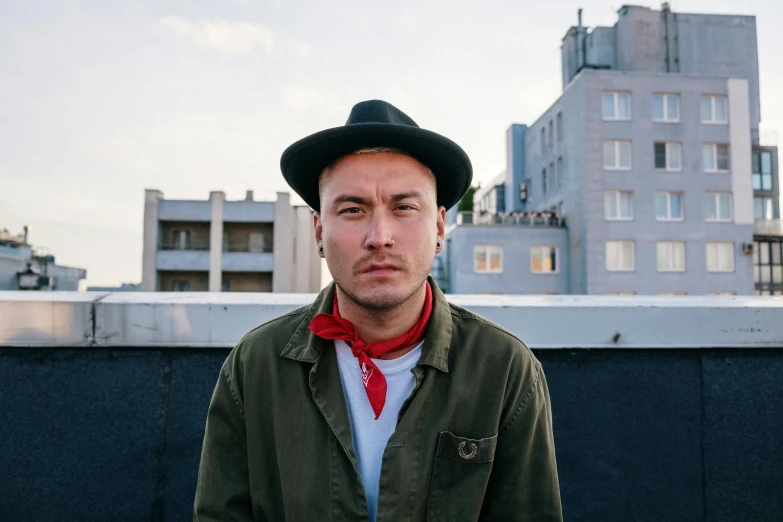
332	326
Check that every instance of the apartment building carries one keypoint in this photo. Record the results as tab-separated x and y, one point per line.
228	246
650	159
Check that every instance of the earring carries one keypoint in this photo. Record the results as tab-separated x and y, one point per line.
321	250
437	244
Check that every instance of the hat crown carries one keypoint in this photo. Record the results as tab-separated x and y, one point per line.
378	111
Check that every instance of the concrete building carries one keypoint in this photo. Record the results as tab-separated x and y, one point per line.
650	158
230	246
22	267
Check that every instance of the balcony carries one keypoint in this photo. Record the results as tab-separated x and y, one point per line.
527	219
768	227
663	408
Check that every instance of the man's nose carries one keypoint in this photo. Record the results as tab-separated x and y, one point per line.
380	233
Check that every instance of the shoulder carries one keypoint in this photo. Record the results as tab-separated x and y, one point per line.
474	333
262	345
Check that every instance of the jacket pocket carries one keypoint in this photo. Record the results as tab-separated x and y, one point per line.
459	477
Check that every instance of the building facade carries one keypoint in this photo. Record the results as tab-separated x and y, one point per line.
22	267
650	158
230	246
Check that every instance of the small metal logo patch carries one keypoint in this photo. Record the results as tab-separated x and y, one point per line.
467	456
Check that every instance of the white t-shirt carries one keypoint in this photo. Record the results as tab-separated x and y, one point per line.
370	436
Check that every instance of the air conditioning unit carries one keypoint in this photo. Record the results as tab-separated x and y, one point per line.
748	248
523	192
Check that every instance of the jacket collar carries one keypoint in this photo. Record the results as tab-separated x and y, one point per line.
305	346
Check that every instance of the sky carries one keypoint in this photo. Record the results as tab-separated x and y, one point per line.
101	100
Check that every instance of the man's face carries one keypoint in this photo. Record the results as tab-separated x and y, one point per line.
378	225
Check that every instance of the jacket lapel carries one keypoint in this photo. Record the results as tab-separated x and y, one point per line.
325	384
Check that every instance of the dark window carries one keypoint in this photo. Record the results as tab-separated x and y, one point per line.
768	267
180	285
543	181
660	155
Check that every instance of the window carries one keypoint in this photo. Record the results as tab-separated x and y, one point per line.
668	206
762	170
713	109
543	139
543	260
672	293
720	257
666	108
488	259
560	173
543	181
668	155
763	208
722	293
717	206
552	175
617	155
182	240
616	105
551	134
618	206
180	285
620	256
621	292
559	126
671	256
715	157
768	264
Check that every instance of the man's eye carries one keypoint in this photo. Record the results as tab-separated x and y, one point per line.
352	210
405	207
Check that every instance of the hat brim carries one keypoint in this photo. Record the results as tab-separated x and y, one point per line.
303	161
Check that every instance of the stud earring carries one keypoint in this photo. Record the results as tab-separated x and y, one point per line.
437	244
320	250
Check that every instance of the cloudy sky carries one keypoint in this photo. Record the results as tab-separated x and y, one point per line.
100	100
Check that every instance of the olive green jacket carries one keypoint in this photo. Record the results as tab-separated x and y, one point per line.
473	442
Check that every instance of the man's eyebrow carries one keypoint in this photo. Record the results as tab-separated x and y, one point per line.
407	195
347	198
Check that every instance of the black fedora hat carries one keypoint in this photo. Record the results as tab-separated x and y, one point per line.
377	123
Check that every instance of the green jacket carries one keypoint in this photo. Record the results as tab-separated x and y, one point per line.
473	442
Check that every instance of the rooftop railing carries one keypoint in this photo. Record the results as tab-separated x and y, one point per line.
546	219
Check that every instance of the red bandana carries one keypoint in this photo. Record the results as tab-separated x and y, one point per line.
332	326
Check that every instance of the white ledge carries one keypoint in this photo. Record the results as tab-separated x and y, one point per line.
219	320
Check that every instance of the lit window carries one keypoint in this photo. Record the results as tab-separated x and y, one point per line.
668	206
666	108
720	257
543	260
620	256
763	208
715	157
713	109
618	206
488	259
717	206
617	155
668	156
671	256
616	105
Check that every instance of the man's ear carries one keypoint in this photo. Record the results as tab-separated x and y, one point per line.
318	229
441	226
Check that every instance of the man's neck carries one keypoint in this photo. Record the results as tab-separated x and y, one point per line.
374	327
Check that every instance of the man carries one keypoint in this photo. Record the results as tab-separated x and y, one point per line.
380	401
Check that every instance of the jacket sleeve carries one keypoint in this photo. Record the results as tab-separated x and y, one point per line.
223	491
523	485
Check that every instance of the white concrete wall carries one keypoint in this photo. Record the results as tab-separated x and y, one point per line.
150	248
285	230
216	241
740	151
147	319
